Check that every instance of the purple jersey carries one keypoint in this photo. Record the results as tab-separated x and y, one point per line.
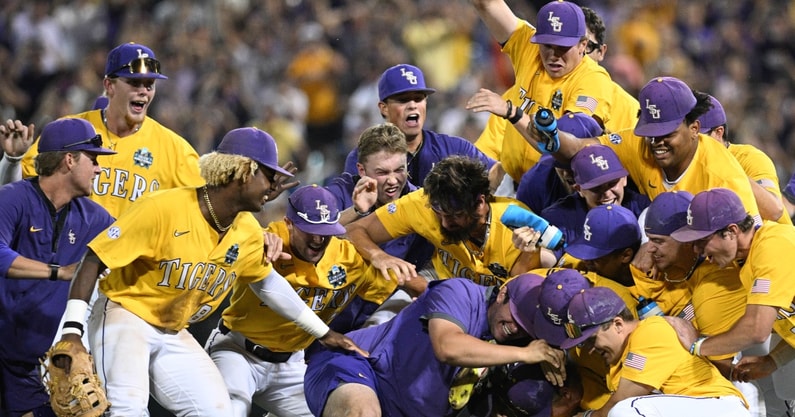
569	213
540	186
411	380
31	309
434	148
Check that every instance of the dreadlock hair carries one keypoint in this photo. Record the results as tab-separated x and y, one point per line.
220	169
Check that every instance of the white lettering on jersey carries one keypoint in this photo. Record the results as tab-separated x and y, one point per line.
457	269
120	181
206	277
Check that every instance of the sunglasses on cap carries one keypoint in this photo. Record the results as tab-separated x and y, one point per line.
325	215
139	66
574	331
96	141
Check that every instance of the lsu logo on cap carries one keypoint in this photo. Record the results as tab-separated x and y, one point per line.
654	112
555	22
409	76
325	214
689	217
586	231
601	162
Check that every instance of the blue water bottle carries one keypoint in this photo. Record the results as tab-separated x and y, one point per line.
648	308
547	127
515	217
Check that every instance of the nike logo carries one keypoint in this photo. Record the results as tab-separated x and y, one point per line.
652	185
35	229
178	233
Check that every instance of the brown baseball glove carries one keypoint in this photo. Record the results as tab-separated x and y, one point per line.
72	382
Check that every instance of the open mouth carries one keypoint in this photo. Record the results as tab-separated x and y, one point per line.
506	330
138	105
413	120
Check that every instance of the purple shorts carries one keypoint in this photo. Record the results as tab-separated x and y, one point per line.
327	370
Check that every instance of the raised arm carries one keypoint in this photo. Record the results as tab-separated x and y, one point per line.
16	139
498	17
366	234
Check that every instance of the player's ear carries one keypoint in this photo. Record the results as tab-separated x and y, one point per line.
360	169
382	109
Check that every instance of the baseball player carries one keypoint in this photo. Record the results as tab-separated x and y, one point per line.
456	213
683	285
550	180
403	100
650	373
757	165
258	351
45	223
599	178
550	72
415	356
174	256
722	230
665	151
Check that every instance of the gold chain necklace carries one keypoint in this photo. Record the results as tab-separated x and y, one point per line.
696	263
212	212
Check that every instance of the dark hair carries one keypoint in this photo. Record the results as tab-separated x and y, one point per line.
595	24
744	225
455	183
703	104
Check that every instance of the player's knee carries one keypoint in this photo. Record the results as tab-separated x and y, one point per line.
352	400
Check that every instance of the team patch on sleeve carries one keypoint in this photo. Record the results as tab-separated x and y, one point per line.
615	138
586	102
761	286
114	232
391	208
635	361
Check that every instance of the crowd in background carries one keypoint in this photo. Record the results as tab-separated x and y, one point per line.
305	70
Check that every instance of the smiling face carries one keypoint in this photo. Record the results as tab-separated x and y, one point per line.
502	325
673	152
665	252
560	60
407	112
254	191
129	97
719	248
306	246
607	342
608	193
389	170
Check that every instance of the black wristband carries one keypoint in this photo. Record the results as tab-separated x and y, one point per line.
507	115
54	272
516	116
74	325
362	213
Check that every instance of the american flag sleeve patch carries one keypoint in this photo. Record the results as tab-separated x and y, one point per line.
635	361
586	102
761	286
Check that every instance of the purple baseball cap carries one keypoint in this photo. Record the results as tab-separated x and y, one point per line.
255	144
587	311
314	210
529	393
402	78
789	190
667	213
553	300
710	211
132	60
559	23
664	103
580	125
523	293
714	117
607	228
100	103
71	135
595	165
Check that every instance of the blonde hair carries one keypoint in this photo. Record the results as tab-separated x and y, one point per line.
221	169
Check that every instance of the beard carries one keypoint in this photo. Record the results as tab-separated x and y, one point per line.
459	235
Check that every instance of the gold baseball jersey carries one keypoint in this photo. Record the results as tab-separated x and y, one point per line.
327	287
768	278
673	298
719	299
487	265
759	168
654	357
167	264
587	89
592	367
150	159
712	166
